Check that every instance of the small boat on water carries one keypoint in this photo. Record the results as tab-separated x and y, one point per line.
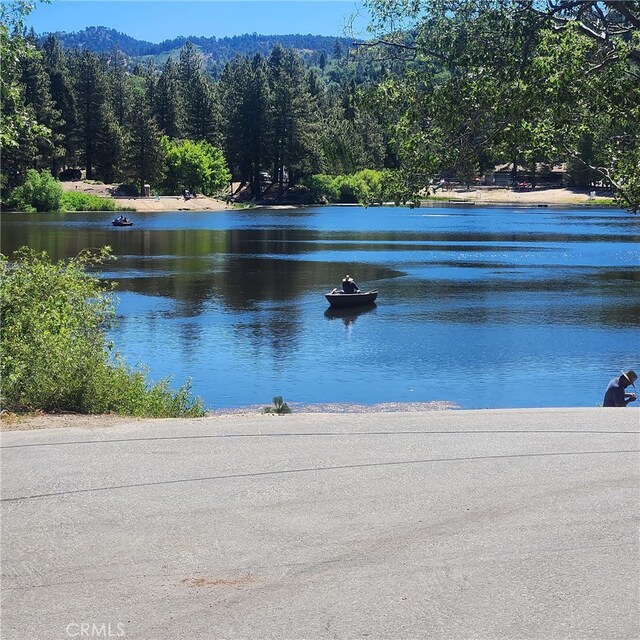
339	299
120	222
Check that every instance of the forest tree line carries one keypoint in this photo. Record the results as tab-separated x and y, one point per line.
267	114
464	85
104	40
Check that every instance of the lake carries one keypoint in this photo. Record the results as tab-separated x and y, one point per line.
478	306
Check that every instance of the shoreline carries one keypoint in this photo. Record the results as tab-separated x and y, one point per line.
479	195
53	421
38	421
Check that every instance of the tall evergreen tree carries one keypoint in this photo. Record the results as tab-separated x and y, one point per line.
293	130
202	111
189	62
90	86
63	97
246	99
118	86
348	97
167	101
145	156
34	151
234	89
110	147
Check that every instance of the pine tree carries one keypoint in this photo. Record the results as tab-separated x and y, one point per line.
246	99
234	90
38	151
202	111
167	101
90	87
145	157
189	63
63	96
337	50
348	98
293	130
110	147
118	86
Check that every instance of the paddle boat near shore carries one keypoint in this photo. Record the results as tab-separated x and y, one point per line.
122	221
337	298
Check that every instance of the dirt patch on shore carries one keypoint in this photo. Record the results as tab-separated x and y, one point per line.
26	422
154	203
534	197
15	422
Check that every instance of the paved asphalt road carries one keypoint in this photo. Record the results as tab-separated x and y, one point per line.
458	524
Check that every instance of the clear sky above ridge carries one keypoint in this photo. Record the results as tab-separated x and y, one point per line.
158	20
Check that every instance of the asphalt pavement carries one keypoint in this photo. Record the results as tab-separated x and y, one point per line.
437	525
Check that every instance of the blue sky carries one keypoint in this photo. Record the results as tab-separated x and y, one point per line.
157	20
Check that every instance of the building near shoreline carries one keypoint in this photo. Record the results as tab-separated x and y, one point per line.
544	175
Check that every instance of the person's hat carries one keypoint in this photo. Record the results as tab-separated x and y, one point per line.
631	376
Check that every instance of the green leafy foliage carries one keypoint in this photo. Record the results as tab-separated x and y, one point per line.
55	353
20	129
519	82
76	201
322	188
40	192
197	166
280	407
365	187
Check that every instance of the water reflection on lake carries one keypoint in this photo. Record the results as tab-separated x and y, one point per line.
483	307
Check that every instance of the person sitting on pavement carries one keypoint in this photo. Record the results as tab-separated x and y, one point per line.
615	395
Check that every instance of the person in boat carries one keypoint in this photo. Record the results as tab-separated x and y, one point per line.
349	285
615	395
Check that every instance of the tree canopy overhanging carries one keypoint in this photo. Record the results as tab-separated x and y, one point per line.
521	80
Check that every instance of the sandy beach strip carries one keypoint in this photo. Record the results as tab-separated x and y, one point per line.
479	195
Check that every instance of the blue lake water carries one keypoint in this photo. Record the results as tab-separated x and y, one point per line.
478	306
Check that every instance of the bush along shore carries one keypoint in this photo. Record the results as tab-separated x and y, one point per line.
56	357
42	192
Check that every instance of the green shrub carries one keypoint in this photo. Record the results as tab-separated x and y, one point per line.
55	356
78	201
322	188
280	407
349	187
120	389
40	192
366	186
194	165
